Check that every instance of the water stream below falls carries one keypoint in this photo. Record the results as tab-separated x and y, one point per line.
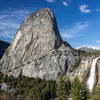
92	77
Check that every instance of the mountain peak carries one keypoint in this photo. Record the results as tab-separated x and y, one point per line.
37	49
41	25
46	11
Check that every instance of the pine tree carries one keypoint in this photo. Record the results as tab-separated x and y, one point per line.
61	89
68	86
78	90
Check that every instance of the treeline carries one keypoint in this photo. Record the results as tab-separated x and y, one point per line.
84	53
30	88
41	89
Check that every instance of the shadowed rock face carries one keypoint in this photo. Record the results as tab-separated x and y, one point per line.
38	49
3	46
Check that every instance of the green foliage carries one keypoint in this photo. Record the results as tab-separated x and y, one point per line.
83	53
78	91
77	63
61	89
95	95
41	89
31	88
68	86
1	91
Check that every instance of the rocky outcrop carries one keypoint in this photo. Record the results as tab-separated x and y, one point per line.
38	49
3	46
83	70
98	73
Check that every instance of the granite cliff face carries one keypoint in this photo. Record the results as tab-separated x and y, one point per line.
83	70
38	49
3	46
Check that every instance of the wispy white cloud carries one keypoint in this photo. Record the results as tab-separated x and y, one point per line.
65	3
20	13
51	1
98	10
89	46
10	21
97	41
64	34
84	8
7	35
74	31
3	16
8	24
14	13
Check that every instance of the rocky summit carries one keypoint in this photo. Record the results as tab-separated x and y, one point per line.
38	49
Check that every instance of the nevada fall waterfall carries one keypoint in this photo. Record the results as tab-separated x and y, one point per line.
91	79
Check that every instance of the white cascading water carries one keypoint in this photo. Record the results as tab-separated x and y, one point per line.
91	79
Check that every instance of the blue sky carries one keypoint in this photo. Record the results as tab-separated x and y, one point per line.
78	20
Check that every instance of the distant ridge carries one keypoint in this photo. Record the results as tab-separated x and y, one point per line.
87	49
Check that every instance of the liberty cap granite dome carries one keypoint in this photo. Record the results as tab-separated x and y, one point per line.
37	49
41	26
